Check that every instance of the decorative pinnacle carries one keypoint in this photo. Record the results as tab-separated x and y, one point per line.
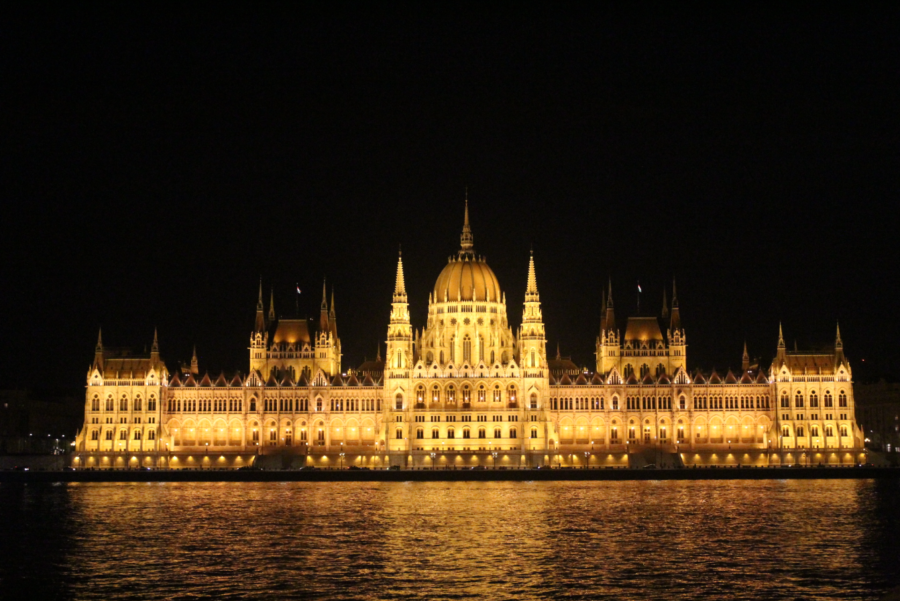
838	343
324	297
745	355
531	291
609	300
100	337
674	295
400	283
780	336
259	302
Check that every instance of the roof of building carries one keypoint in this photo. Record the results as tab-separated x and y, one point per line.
292	331
643	329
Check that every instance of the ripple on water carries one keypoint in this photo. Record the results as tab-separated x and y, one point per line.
503	540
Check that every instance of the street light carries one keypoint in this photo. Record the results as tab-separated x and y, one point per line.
433	455
342	455
494	455
587	454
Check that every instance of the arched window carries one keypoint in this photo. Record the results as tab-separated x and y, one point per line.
123	404
497	398
511	393
109	404
813	400
137	404
435	433
682	402
798	400
253	404
481	348
533	358
497	433
467	349
481	433
451	433
512	433
660	370
451	394
95	435
466	394
151	435
95	404
399	434
785	402
645	369
534	433
829	400
435	394
398	402
534	400
420	433
628	371
151	404
429	358
466	433
615	403
137	434
481	393
842	399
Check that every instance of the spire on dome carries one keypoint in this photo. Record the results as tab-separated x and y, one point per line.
466	239
400	283
531	291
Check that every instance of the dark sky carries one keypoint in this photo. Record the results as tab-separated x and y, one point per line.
157	162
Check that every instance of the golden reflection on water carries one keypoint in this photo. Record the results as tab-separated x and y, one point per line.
454	540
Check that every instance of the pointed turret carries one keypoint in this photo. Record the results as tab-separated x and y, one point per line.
532	343
675	314
609	324
323	310
99	347
195	369
98	351
331	314
531	290
154	349
260	325
781	351
272	305
838	343
839	348
400	282
665	306
745	359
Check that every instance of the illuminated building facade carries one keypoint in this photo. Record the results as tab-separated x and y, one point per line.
469	390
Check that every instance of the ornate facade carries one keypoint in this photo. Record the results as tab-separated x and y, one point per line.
469	390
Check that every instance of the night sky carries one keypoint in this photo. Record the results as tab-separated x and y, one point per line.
157	162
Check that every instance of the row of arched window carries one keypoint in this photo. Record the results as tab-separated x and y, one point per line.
123	435
467	433
136	405
828	400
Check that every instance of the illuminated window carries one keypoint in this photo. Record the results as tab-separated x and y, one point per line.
137	434
842	399
151	435
399	434
482	433
497	433
512	433
420	433
95	435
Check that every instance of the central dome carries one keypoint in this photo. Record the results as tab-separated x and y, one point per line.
467	278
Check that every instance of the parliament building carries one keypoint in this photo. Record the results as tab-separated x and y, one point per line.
468	390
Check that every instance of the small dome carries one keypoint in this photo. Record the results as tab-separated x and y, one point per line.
467	279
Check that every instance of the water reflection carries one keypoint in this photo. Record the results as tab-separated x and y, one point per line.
453	540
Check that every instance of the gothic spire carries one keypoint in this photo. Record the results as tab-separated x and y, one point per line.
100	338
323	310
609	300
780	336
154	348
272	304
259	302
400	283
331	314
324	306
531	291
838	343
674	295
745	359
260	325
665	306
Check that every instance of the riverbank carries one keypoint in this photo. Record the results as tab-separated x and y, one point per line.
347	475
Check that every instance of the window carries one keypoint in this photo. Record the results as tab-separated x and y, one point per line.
151	404
467	350
534	400
123	435
123	404
799	430
109	435
798	400
512	433
151	435
614	434
497	433
481	433
813	400
829	400
534	433
95	435
399	434
814	430
398	401
253	405
842	399
137	434
466	433
785	431
497	394
420	433
435	433
785	403
95	404
273	435
615	403
451	433
682	403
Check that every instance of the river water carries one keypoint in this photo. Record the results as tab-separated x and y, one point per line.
435	540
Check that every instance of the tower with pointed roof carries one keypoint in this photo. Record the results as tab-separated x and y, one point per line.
608	347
